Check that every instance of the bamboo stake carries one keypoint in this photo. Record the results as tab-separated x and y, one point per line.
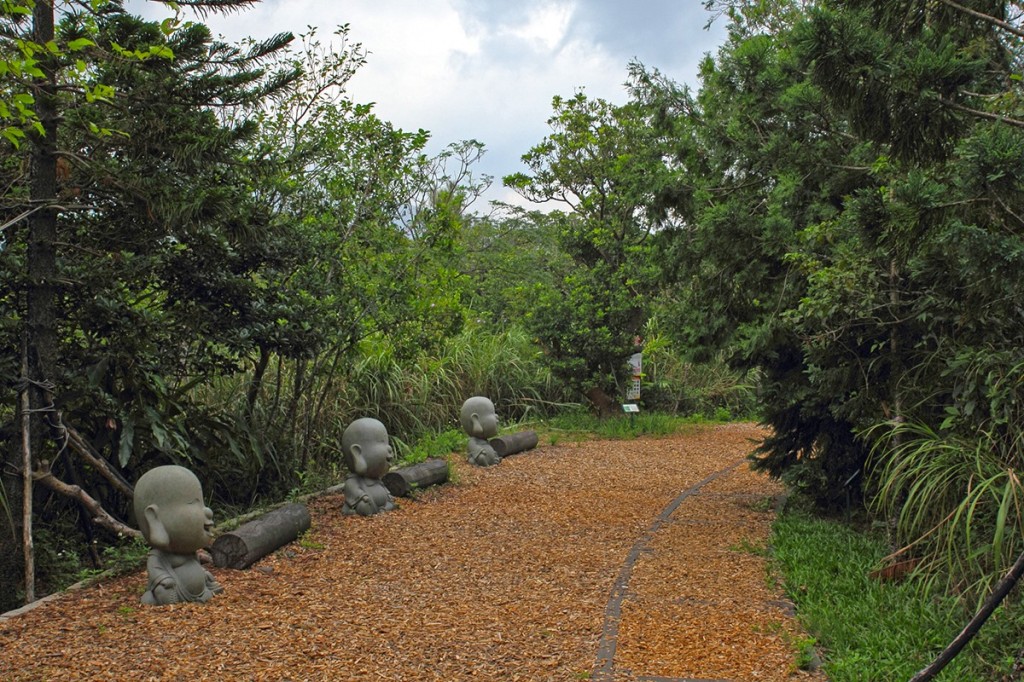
26	480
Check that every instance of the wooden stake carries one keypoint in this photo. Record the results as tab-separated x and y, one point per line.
26	479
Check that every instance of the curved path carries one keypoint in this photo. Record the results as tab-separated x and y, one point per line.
625	560
605	669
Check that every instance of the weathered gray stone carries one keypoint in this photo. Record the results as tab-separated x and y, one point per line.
176	523
368	456
480	423
513	443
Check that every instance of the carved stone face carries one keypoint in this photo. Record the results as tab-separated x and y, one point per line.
488	424
366	447
189	523
170	510
479	418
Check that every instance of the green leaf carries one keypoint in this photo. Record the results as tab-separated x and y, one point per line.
13	8
1000	530
161	51
79	44
13	135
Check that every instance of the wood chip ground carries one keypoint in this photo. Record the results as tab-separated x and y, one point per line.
523	571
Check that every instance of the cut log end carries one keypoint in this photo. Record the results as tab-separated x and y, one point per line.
256	539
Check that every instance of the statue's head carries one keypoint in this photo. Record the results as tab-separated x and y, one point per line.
366	448
478	417
170	511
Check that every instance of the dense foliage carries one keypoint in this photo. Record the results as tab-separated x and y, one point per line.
867	157
211	255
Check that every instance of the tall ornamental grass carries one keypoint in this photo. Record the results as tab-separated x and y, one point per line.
958	503
955	488
673	384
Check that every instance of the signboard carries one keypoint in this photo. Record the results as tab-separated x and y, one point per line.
636	365
630	408
633	392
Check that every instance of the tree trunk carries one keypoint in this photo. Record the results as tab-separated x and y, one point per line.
403	481
602	403
298	387
897	407
40	331
259	371
513	443
28	549
252	541
42	237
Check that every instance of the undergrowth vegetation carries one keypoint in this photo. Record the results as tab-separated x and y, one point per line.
284	444
874	631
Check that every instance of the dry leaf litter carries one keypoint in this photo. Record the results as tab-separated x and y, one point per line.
508	574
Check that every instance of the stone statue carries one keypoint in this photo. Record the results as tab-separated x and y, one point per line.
176	523
368	456
480	422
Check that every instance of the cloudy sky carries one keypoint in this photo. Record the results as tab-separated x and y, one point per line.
487	69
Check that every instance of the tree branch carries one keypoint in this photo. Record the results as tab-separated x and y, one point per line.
999	118
89	454
1009	28
100	515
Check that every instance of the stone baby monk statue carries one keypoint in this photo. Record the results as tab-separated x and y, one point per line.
368	456
480	423
176	523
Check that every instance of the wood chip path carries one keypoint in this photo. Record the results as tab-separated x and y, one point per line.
626	560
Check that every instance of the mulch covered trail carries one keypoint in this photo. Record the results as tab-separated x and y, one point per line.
523	571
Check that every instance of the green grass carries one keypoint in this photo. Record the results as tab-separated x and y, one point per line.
439	444
871	631
581	424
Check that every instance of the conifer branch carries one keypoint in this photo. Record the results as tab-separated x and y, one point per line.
1009	28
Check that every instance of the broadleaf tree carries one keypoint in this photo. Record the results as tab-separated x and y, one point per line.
602	166
90	227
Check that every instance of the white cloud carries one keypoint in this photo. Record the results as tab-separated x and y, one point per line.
487	69
546	26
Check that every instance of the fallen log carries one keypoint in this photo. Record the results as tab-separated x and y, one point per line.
514	442
254	540
403	481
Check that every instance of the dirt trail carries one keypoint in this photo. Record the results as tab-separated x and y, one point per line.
625	560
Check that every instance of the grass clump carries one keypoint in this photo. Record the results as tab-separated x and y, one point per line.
437	444
879	631
580	424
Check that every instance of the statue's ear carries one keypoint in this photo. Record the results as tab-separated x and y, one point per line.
477	428
158	536
358	461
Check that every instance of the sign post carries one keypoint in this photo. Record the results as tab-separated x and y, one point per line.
636	364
